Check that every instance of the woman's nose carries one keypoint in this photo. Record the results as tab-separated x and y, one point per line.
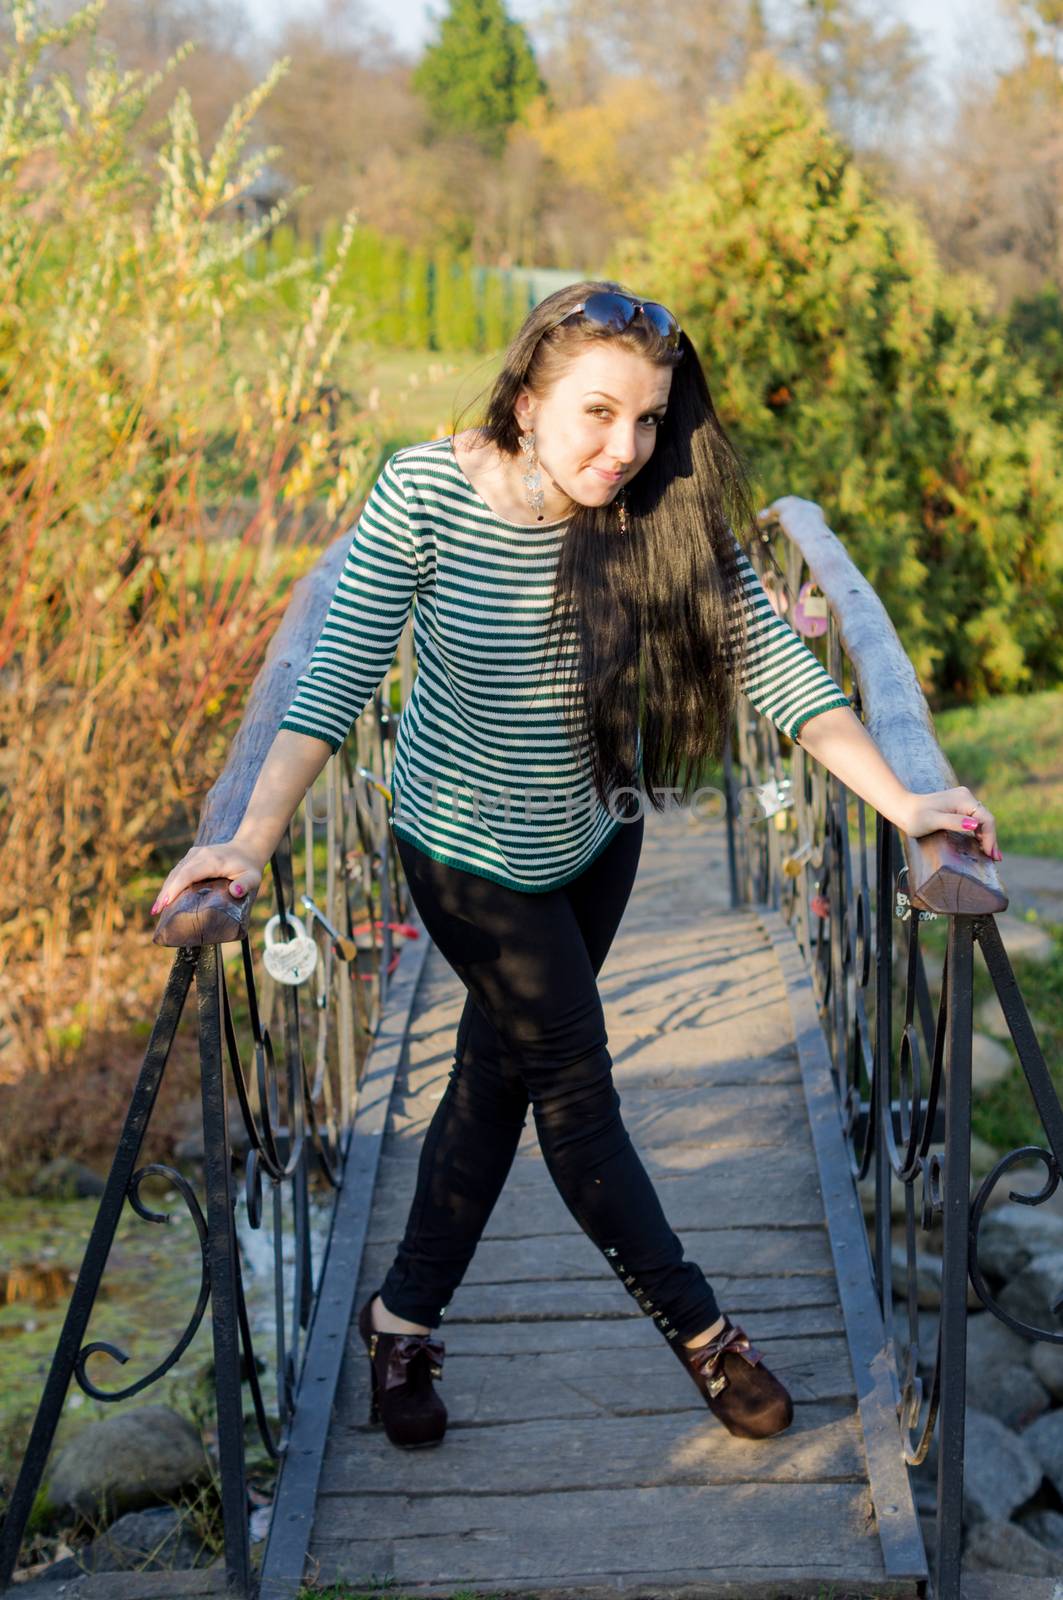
622	445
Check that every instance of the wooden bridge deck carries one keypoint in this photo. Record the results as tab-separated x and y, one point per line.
579	1458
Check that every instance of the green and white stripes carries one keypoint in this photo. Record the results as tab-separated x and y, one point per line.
485	776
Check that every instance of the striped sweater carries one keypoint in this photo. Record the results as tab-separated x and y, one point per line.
485	777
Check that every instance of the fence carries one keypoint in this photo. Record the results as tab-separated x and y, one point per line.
296	1105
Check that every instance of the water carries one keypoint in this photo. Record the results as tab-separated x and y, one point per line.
148	1291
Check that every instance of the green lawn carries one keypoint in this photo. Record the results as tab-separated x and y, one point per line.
419	393
1009	751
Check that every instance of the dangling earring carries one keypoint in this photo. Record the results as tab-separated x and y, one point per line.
621	506
533	483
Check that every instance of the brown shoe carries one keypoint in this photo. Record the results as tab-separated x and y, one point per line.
402	1366
736	1385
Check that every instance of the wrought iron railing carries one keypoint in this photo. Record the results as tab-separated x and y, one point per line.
337	869
291	1055
855	894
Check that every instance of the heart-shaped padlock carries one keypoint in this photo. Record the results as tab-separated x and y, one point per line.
289	961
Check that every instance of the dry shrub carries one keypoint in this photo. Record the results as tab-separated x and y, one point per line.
171	452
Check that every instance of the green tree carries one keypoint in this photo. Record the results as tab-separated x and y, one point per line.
480	74
855	371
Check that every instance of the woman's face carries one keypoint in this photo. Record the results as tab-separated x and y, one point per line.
598	425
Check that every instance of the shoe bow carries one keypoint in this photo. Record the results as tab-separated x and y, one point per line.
707	1359
402	1352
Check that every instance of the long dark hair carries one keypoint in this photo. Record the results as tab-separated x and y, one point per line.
647	626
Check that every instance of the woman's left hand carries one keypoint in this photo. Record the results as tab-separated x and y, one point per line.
959	812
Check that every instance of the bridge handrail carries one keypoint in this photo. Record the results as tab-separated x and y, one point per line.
900	1091
945	874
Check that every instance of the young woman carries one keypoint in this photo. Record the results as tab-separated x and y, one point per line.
583	618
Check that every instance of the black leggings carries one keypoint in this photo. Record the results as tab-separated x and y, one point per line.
533	1031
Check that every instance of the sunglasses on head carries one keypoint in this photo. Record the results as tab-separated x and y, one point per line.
610	309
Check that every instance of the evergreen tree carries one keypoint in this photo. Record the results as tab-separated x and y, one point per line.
477	78
856	372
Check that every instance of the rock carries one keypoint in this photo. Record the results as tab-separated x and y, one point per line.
1047	1362
934	967
127	1461
1000	1376
188	1124
928	1335
1046	1527
1006	1547
1011	1235
1029	1297
990	1061
983	1159
988	1018
156	1540
66	1179
927	1278
1025	940
1045	1438
1001	1469
1015	1396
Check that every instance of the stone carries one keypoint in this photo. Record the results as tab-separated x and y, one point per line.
1000	1376
1015	1397
66	1179
1007	1547
122	1463
988	1018
1025	941
990	1061
1046	1527
155	1540
188	1126
1011	1235
1001	1469
928	1335
1029	1297
1045	1438
1047	1361
927	1278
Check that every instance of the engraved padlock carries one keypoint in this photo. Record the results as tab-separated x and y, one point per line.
288	961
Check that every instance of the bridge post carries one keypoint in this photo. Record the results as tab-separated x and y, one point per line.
221	1254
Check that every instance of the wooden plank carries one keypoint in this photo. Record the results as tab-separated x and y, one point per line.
580	1459
591	1380
554	1257
901	1537
730	1183
653	1115
296	1491
581	1453
700	1056
517	1336
590	1297
654	1536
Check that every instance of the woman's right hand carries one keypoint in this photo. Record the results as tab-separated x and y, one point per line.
231	861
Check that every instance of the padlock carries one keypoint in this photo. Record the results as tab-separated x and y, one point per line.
792	864
811	611
291	962
774	796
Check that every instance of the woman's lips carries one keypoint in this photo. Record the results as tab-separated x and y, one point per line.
610	477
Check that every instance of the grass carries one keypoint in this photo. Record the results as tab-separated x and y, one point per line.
1008	750
1005	1115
